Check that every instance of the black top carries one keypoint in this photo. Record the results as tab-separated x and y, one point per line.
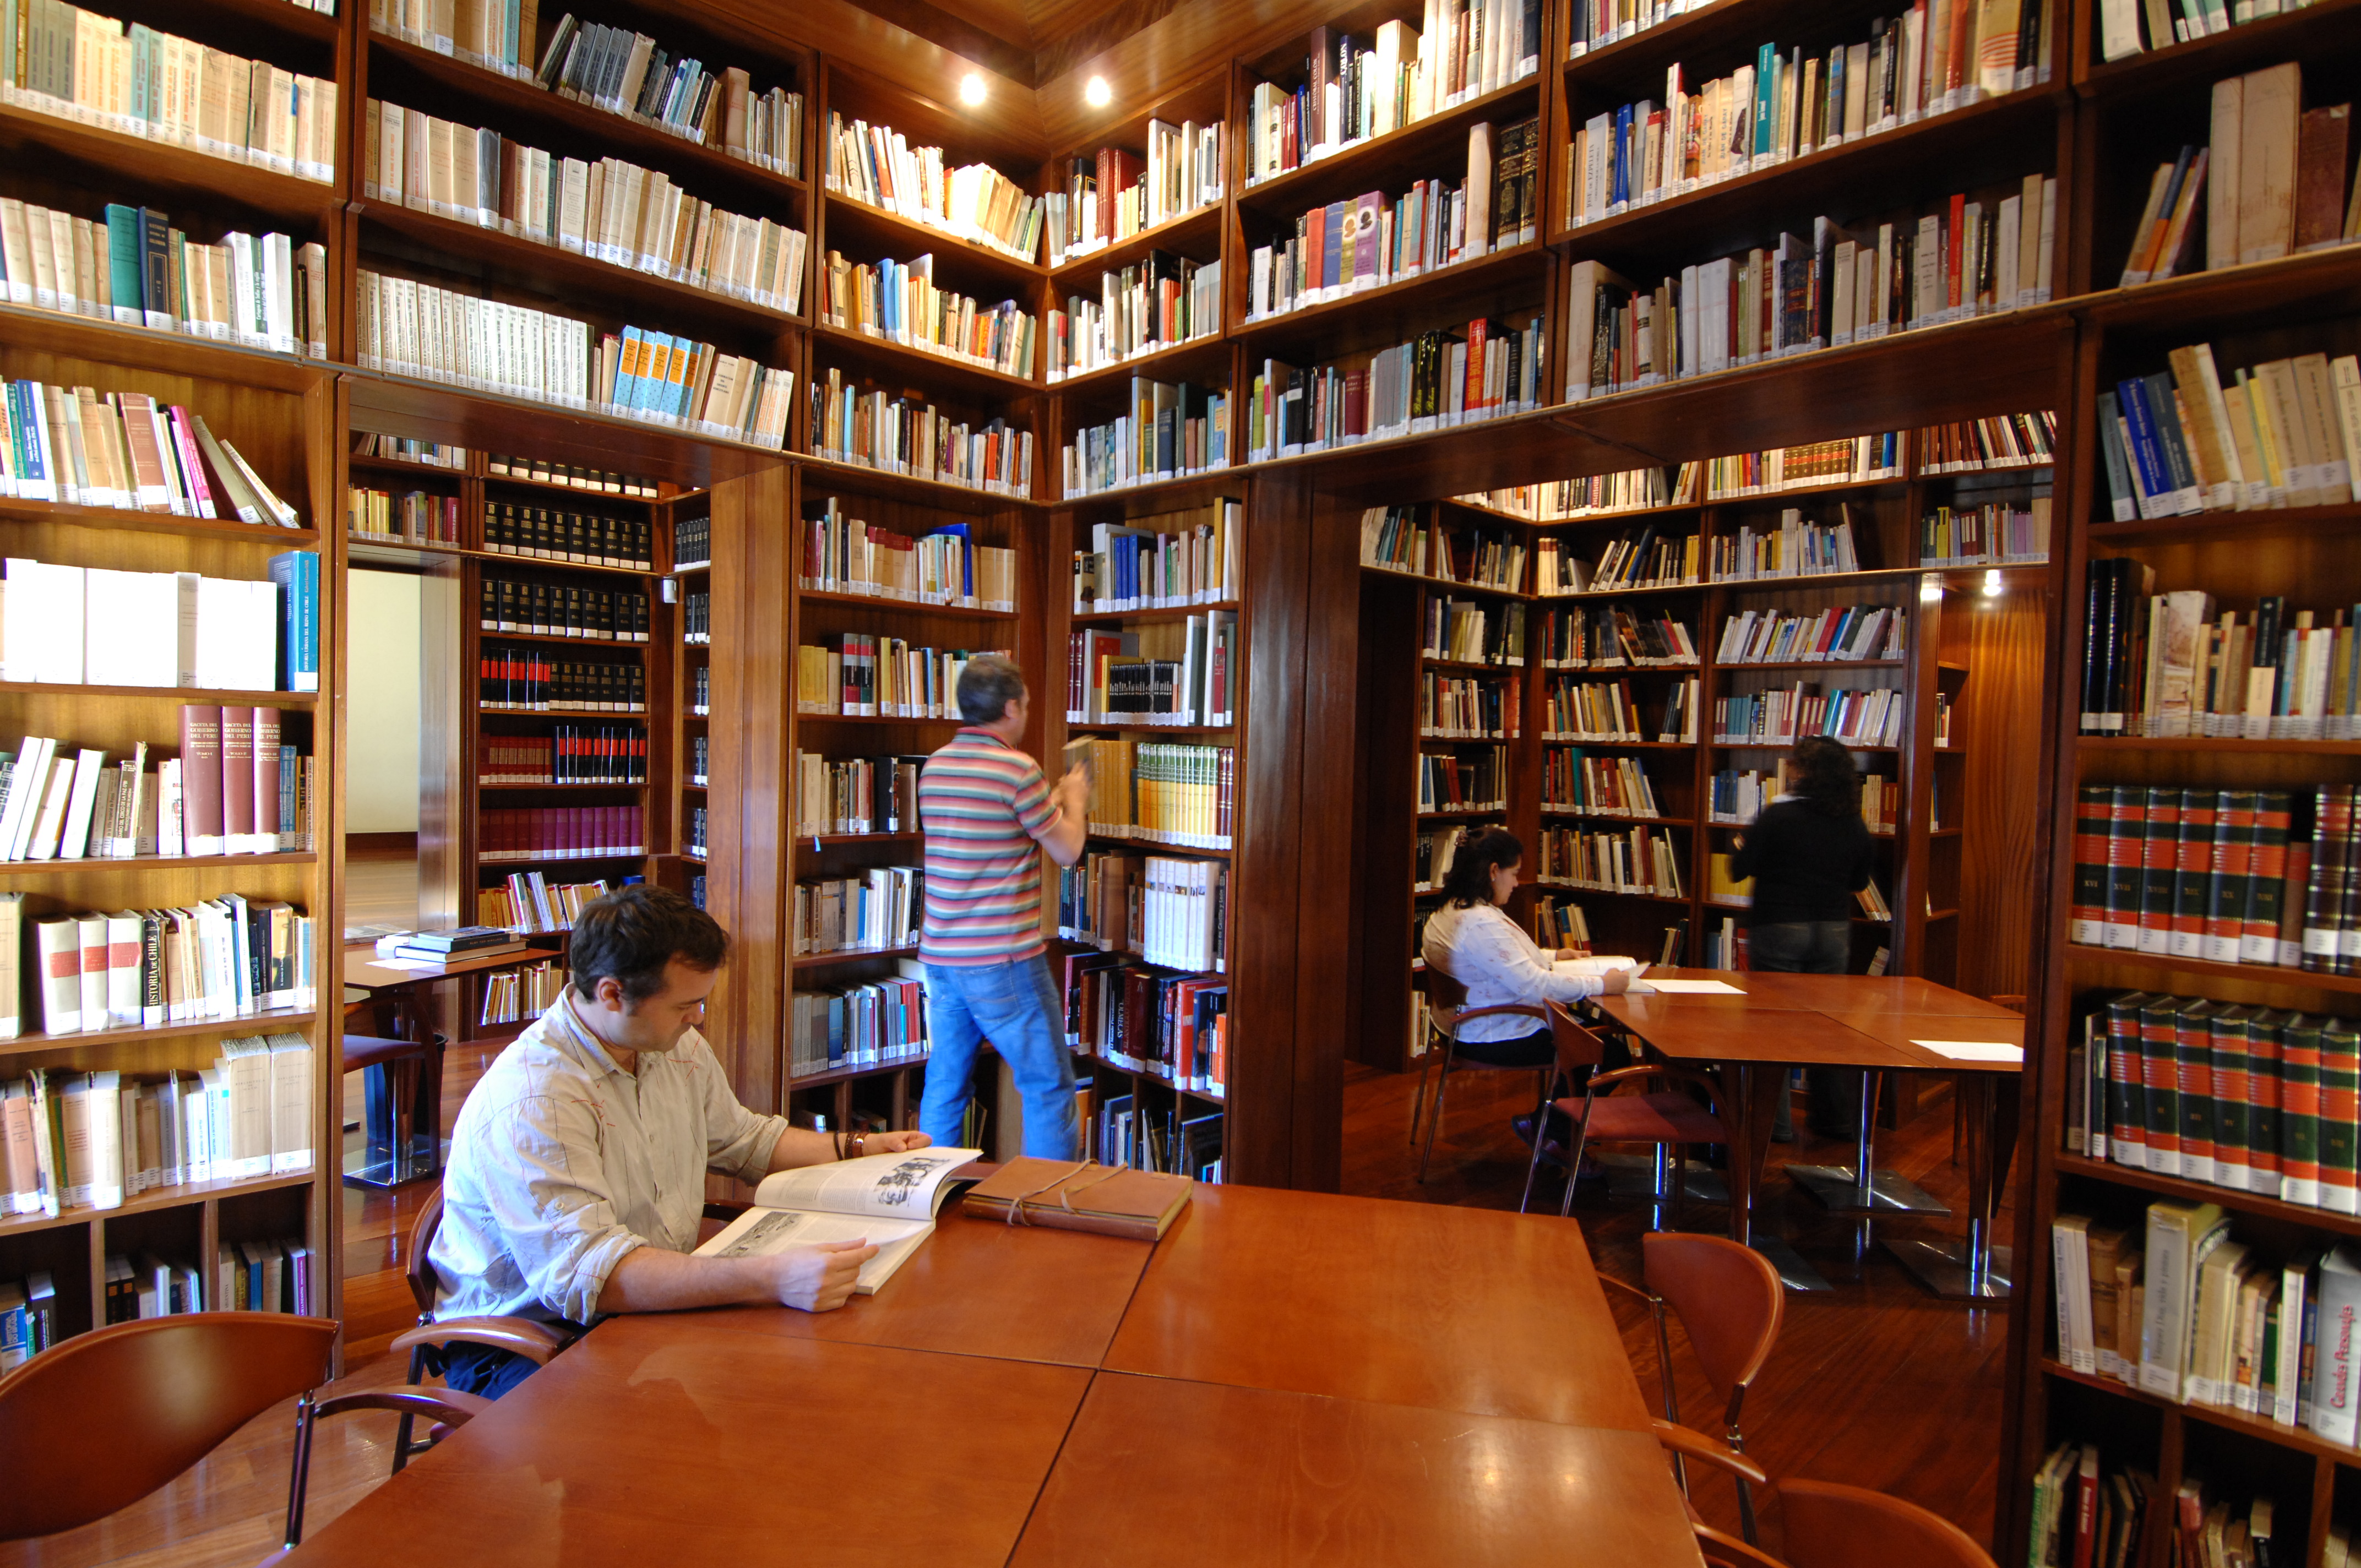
1806	865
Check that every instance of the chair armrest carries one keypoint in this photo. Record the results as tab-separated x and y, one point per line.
537	1342
1606	1083
1503	1009
449	1407
1696	1445
1720	1550
1650	1297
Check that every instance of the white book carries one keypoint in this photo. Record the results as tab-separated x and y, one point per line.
887	1199
291	1058
88	765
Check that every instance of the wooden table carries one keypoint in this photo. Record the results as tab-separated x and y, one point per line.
1750	1041
1286	1378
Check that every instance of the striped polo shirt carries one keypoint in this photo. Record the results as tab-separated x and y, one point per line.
981	802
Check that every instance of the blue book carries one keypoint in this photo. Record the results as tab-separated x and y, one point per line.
125	269
2123	500
1766	82
2147	457
1832	128
297	575
966	536
1622	176
654	352
37	473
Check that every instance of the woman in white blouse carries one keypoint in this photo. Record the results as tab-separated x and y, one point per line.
1472	939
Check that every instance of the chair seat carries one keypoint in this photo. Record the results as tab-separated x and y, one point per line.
1666	1118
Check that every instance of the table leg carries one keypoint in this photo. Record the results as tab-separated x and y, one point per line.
1860	1188
1975	1270
1756	1101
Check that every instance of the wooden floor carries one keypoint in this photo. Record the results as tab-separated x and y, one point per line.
1878	1384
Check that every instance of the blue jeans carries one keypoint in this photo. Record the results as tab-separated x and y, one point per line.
484	1369
1813	947
1016	1007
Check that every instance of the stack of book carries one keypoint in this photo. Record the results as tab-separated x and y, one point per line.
572	476
1462	708
1440	379
1179	673
898	301
1158	302
907	435
135	269
563	609
518	995
1993	534
874	910
2283	433
1171	430
857	794
1632	859
877	166
1160	562
1858	716
1157	793
1474	632
1797	548
1997	440
1645	557
1576	781
867	1025
845	555
2163	664
525	680
451	946
1471	779
237	789
616	69
2082	1515
1614	637
866	675
1171	1027
220	957
412	516
562	833
1111	195
410	449
127	452
528	902
78	625
548	533
1836	635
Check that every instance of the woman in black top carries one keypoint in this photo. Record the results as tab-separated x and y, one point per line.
1808	853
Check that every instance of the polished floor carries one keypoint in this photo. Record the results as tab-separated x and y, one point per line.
1876	1384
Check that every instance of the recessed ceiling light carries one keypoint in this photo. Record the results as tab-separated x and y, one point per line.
1097	94
972	89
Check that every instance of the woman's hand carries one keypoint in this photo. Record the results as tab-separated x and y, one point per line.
1615	983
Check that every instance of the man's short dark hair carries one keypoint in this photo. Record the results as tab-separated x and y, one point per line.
988	683
634	932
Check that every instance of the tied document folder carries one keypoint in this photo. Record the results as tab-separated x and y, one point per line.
890	1199
1078	1195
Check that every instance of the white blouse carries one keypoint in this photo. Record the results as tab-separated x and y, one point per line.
1484	951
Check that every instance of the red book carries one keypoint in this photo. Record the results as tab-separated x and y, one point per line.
1954	239
237	780
265	780
200	777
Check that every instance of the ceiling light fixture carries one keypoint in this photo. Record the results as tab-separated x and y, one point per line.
1930	587
1993	582
1097	94
971	90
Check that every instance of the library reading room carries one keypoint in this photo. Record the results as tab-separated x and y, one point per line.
1398	783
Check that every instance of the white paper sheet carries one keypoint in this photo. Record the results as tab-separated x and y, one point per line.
1684	987
1596	966
1975	1050
405	963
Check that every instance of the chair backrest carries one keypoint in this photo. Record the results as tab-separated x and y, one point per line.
1833	1526
418	1271
1729	1299
107	1417
1576	1045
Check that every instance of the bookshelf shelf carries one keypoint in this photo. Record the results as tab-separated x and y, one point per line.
1446	586
136	522
2287	522
1601	596
824	473
476	417
1589	742
1151	729
2174	1187
879	602
1476	667
1838	665
1583	887
1784	745
2255	1427
852	1074
851	955
280	17
889	358
2293	287
2202	970
2100	745
170	353
634	788
174	694
165	166
248	1022
1429	296
1189	229
151	863
1153	847
537	563
154	1198
1144	617
911	838
2260	41
855	226
1468	814
406	466
599	643
867	718
1354	169
1548	810
1195	359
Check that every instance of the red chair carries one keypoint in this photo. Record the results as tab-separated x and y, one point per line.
1670	1118
1447	1010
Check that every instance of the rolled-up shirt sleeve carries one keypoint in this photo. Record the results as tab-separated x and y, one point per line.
555	1215
738	1142
1495	950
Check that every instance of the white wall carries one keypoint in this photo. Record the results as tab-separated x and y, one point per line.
381	685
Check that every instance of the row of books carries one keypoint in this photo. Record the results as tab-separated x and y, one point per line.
589	539
58	59
1836	634
1964	259
411	328
1169	911
1994	534
1174	1028
1472	632
562	833
539	608
1573	780
2238	1096
1475	779
1162	561
2080	1516
135	269
876	165
1467	707
872	911
699	775
91	626
1594	711
700	691
2285	433
528	901
692	544
1114	194
1858	716
511	996
526	470
2127	29
2164	664
221	958
873	1024
1994	442
29	1317
1172	672
908	436
1410	539
627	73
2268	876
1851	460
1432	854
1632	859
1615	637
411	517
1152	305
1558	922
898	301
1644	557
237	788
410	449
1169	430
571	754
697	618
855	794
865	675
1785	105
695	840
845	555
1462	49
1338	250
1160	1139
1158	792
1439	380
609	210
127	452
1798	547
90	1140
528	680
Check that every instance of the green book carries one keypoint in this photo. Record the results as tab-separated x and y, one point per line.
2340	1083
2265	1093
123	269
2127	1084
2193	1054
2234	1091
2299	1106
2160	1074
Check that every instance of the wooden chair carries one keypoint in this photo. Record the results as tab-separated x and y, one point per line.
448	1408
1669	1117
1731	1302
109	1416
1826	1524
1447	1009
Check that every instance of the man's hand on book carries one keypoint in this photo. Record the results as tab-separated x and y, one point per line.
819	1279
895	1143
1072	793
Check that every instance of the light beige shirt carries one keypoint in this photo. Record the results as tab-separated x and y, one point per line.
561	1163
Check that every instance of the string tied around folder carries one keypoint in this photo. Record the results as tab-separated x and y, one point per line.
1065	1198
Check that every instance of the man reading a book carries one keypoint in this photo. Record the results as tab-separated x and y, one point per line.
985	807
577	1174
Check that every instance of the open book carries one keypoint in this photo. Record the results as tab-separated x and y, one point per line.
1600	966
890	1199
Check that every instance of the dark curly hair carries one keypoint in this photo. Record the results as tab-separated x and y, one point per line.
1826	778
634	932
1468	883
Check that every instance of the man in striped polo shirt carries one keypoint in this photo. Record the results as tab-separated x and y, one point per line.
984	806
